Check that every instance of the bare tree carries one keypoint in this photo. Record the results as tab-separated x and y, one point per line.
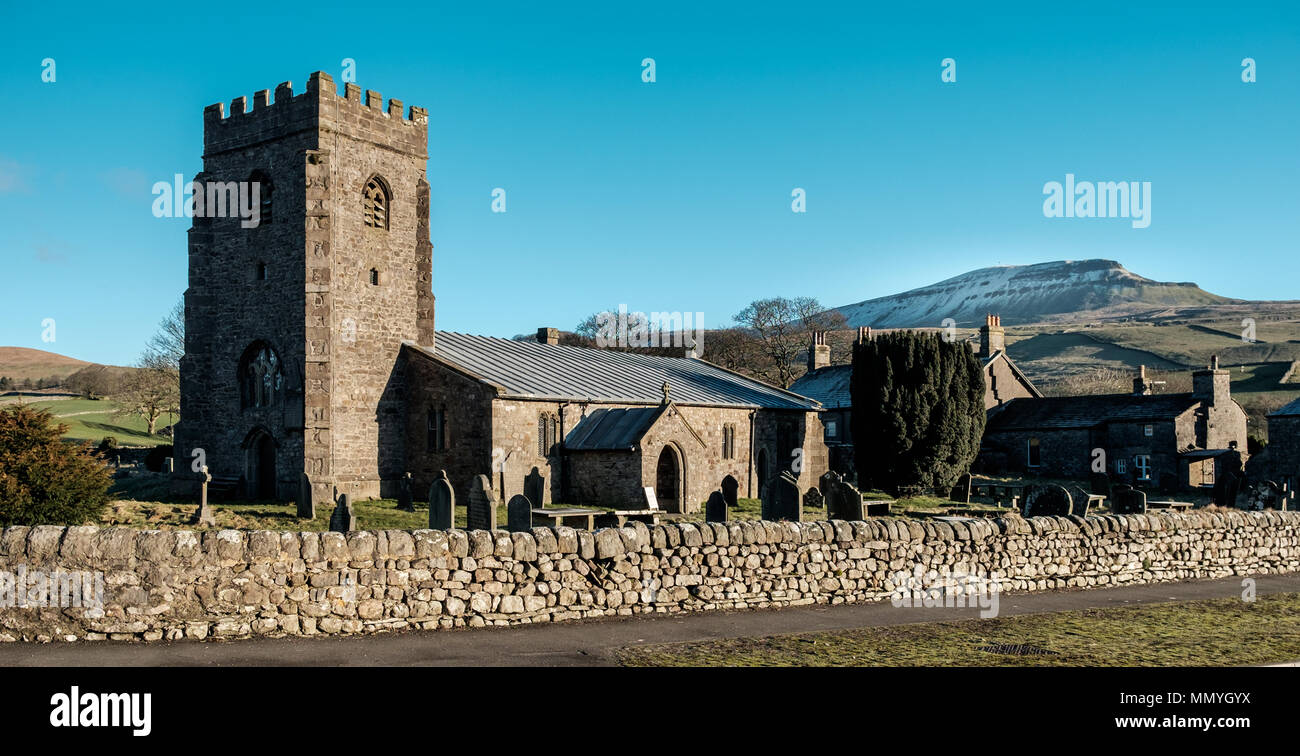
153	388
783	326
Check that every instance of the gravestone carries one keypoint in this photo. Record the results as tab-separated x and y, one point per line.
1099	482
519	514
843	501
782	500
1126	499
730	491
813	498
442	503
716	509
204	517
651	501
405	501
1048	501
169	465
1079	501
535	487
961	491
306	504
481	509
1226	487
342	520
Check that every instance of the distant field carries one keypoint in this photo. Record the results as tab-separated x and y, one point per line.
92	419
19	363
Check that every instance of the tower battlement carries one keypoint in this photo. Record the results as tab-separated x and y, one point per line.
321	107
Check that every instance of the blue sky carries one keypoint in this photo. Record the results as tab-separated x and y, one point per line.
671	196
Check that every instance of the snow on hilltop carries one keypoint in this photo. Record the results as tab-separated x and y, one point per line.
1024	294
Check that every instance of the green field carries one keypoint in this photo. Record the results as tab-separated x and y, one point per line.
1212	633
92	419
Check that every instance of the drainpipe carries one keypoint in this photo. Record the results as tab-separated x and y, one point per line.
749	476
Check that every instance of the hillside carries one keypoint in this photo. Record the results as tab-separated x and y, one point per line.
20	362
1065	290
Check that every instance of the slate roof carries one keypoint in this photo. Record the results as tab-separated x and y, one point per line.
828	385
1060	412
606	429
528	370
1289	410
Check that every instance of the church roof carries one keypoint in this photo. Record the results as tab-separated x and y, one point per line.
828	385
1062	412
529	370
606	429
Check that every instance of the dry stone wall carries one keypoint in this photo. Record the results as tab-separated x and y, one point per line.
229	584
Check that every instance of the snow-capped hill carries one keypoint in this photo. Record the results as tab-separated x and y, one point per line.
1025	294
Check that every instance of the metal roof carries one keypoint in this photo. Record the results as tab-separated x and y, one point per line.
612	428
1289	410
1087	411
528	370
828	385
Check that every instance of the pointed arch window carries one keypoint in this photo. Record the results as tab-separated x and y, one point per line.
548	431
375	203
260	376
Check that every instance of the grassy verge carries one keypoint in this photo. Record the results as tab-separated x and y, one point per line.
1219	632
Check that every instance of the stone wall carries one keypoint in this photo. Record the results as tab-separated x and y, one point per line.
225	584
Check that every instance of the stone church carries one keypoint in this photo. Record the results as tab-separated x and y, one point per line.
312	362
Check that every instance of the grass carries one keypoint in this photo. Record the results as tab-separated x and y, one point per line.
92	419
1218	632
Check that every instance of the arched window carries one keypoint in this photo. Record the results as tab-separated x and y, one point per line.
548	429
375	202
264	190
260	377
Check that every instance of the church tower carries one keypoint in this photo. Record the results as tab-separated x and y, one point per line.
294	325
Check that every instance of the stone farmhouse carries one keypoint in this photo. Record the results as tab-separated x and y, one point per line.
1283	450
312	363
1174	440
829	385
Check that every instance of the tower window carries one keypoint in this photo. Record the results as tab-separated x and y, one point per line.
261	271
264	189
375	204
260	378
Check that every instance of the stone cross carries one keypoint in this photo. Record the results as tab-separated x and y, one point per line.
519	514
715	509
342	520
481	510
442	503
204	517
404	500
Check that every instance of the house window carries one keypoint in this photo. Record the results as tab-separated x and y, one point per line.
375	201
548	427
1149	430
374	277
729	441
260	379
1035	453
437	429
1142	463
1121	466
830	429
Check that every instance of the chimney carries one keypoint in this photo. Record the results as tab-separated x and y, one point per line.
992	338
819	353
548	336
864	334
1212	385
1140	385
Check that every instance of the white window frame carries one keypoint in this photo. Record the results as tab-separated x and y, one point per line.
1149	430
1142	464
1121	466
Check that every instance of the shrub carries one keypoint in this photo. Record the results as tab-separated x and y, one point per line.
918	411
44	480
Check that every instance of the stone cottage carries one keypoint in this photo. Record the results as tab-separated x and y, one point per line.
829	385
1284	446
1173	440
311	358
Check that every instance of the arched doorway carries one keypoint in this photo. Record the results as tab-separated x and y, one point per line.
259	466
669	487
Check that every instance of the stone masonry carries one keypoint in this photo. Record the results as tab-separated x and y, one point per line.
230	584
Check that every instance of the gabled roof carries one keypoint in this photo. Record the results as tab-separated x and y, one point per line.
1058	412
1289	410
528	370
828	385
1002	355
